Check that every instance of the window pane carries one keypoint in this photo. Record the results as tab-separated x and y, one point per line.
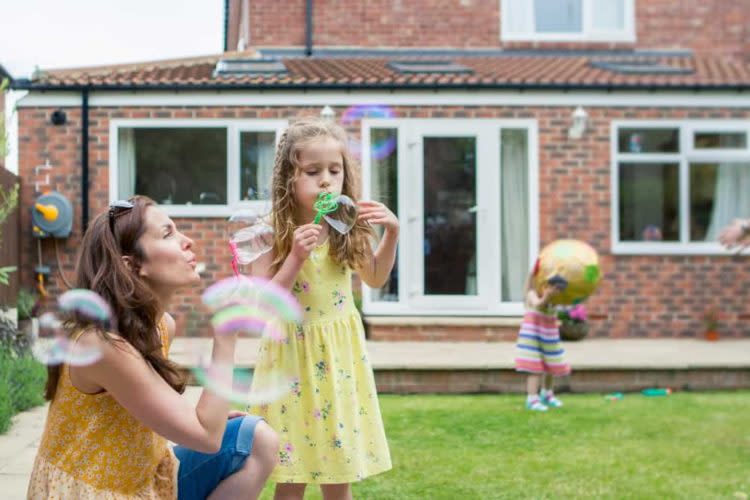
649	195
450	198
517	16
649	140
180	166
257	151
514	203
384	182
609	15
720	140
719	193
558	16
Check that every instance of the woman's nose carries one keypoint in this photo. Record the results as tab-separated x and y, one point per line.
187	242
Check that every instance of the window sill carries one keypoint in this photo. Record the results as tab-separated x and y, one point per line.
568	38
713	249
197	211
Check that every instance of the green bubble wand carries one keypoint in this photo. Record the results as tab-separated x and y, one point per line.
327	203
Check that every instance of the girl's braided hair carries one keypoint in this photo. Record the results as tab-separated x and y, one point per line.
351	249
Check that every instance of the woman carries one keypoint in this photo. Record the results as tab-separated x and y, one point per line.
108	423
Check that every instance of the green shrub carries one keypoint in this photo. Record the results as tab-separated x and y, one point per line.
26	303
22	377
13	340
27	378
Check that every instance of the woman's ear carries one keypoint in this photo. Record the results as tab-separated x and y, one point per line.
130	263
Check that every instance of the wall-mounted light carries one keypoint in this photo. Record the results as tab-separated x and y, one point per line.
58	117
327	113
580	121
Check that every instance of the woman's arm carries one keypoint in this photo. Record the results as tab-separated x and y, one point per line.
131	381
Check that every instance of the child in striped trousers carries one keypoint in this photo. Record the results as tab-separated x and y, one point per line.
539	352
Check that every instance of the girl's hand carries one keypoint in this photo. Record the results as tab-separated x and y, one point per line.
548	292
235	413
735	234
305	239
374	212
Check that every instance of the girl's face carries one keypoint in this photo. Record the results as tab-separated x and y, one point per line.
321	168
169	262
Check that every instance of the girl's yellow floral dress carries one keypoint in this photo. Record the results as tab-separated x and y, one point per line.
329	425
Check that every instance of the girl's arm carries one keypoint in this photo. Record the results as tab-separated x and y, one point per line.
131	381
535	301
376	273
736	234
305	239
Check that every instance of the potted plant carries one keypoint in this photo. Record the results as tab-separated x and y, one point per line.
573	324
711	319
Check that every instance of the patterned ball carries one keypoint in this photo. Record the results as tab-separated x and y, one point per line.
571	262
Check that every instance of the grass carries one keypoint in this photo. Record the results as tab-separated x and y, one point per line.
21	385
687	445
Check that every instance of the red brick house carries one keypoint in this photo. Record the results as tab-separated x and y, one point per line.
489	127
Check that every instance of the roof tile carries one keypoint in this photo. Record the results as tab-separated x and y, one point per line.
505	70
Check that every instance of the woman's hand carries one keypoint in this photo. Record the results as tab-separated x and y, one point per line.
375	212
305	239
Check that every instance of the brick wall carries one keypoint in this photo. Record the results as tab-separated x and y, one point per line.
642	296
719	27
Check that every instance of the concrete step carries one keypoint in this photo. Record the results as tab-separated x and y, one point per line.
598	364
442	328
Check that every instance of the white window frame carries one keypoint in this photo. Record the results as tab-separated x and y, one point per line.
587	34
686	155
405	306
233	126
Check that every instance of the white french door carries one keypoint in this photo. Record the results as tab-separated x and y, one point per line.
451	215
468	208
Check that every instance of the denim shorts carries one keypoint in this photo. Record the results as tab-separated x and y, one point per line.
200	473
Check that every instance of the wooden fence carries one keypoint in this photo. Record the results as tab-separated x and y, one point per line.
10	243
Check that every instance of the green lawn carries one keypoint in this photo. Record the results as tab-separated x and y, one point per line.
687	445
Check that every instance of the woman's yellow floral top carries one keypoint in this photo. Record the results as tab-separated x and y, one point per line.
93	448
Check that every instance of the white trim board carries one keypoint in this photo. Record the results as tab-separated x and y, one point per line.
11	129
682	99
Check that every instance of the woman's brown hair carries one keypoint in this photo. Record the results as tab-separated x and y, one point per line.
112	235
351	249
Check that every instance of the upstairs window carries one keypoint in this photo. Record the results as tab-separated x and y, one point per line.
567	20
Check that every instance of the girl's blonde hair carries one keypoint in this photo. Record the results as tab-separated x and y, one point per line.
351	249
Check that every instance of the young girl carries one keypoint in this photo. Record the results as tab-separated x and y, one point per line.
538	350
330	427
108	423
